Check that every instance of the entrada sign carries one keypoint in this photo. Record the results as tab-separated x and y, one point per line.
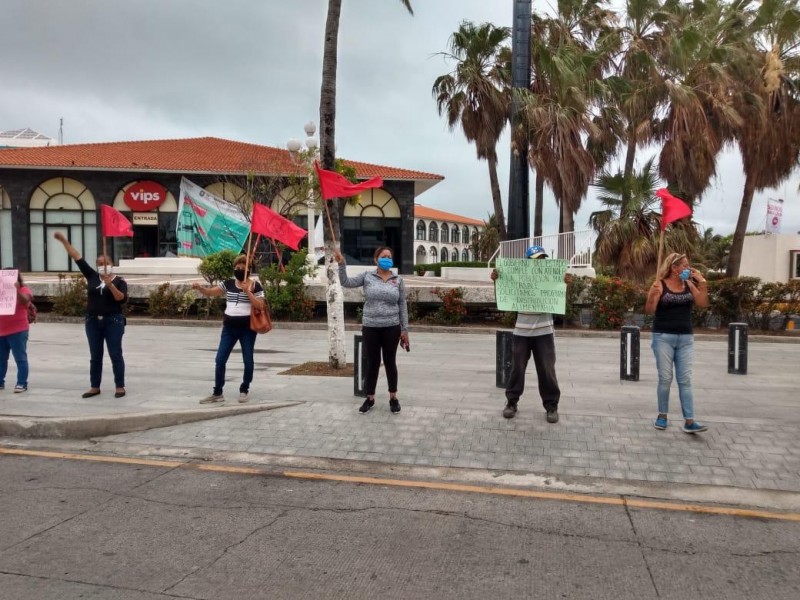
143	196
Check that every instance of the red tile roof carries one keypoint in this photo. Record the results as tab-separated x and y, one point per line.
194	155
423	212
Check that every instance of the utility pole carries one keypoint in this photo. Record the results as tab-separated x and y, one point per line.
519	205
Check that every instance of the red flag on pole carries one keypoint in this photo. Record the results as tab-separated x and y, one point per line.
333	185
114	222
672	208
270	224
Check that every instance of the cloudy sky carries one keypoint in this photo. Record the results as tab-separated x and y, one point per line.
250	70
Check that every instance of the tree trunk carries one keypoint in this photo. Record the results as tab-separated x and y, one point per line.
630	154
539	205
735	256
337	358
497	200
566	241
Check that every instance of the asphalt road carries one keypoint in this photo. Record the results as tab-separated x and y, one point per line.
90	529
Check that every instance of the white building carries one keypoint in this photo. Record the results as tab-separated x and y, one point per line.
443	237
771	257
25	138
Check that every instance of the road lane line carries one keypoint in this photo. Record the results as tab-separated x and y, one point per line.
410	483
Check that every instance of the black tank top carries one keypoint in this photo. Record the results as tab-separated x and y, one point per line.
674	311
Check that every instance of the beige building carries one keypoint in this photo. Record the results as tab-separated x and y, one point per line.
771	257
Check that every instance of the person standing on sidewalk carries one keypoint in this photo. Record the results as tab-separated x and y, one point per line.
384	325
533	334
241	294
14	338
105	323
677	288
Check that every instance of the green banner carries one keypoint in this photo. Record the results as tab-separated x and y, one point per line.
531	285
208	224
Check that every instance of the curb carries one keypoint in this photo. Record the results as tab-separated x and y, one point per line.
99	426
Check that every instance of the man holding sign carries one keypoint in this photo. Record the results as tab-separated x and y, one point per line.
535	289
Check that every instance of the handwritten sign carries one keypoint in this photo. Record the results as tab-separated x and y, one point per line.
531	285
8	291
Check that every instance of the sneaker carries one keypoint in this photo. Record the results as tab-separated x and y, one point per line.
394	405
243	397
367	406
510	411
660	423
211	399
20	388
694	427
552	416
2	387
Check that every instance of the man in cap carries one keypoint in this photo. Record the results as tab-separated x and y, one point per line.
533	334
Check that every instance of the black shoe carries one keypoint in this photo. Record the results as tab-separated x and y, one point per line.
510	411
552	416
367	406
394	405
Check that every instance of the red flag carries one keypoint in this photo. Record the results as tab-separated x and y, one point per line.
270	224
333	185
672	208
114	222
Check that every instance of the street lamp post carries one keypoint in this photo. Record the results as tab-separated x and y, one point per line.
307	160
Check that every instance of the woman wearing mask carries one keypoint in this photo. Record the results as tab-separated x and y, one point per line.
105	323
384	325
14	338
241	293
677	288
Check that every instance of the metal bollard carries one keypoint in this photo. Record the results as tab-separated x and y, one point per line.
359	366
503	365
630	337
737	348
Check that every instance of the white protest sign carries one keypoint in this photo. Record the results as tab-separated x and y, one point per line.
8	291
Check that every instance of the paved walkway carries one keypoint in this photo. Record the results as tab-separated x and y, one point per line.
451	408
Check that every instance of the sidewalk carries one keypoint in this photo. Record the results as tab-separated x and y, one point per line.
451	408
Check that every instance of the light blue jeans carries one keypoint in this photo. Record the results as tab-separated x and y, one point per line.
677	349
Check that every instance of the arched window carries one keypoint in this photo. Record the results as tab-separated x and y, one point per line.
156	238
65	205
230	192
421	256
465	234
454	255
444	255
445	234
421	230
433	232
474	237
6	247
455	235
465	255
434	255
374	221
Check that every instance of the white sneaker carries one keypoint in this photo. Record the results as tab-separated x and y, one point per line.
20	388
211	399
243	397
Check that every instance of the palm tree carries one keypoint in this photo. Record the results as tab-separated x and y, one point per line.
713	250
327	121
769	139
628	226
476	94
486	243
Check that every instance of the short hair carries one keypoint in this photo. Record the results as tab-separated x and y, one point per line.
380	250
240	260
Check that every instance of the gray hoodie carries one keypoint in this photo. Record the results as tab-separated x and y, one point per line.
384	301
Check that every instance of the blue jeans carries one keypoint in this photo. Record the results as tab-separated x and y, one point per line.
677	349
108	329
16	344
246	338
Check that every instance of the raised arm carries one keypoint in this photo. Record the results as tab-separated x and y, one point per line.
348	282
73	253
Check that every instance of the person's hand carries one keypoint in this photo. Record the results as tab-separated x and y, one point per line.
107	278
196	285
338	256
567	278
697	276
16	284
404	339
657	287
495	274
60	237
246	285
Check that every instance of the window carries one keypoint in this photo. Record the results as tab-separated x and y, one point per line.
444	255
421	229
445	234
465	234
454	255
6	246
465	255
455	236
433	233
422	255
373	222
474	234
434	255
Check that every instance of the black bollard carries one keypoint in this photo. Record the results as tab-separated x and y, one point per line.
359	366
629	353
737	348
503	366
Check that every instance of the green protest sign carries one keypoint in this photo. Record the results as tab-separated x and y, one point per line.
528	285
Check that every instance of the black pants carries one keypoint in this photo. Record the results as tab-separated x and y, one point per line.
543	348
377	341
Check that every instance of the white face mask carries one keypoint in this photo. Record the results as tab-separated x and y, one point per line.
102	269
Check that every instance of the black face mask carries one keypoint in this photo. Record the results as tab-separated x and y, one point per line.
239	274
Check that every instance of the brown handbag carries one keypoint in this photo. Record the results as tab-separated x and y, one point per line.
259	320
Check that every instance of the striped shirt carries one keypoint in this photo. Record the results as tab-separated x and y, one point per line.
237	303
533	324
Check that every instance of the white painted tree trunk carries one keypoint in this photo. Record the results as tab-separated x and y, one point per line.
334	298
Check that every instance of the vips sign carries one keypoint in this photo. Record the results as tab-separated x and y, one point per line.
527	285
144	196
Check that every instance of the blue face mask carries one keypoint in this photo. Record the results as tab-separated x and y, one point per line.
685	274
385	263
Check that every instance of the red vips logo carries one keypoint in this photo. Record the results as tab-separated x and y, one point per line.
143	196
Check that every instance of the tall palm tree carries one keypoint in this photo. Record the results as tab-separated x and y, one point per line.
337	358
477	95
769	140
628	226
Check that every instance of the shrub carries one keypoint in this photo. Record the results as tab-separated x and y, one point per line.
420	269
169	301
412	301
734	299
286	291
217	266
70	301
575	296
453	308
612	297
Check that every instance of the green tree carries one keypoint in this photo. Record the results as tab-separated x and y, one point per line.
486	243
